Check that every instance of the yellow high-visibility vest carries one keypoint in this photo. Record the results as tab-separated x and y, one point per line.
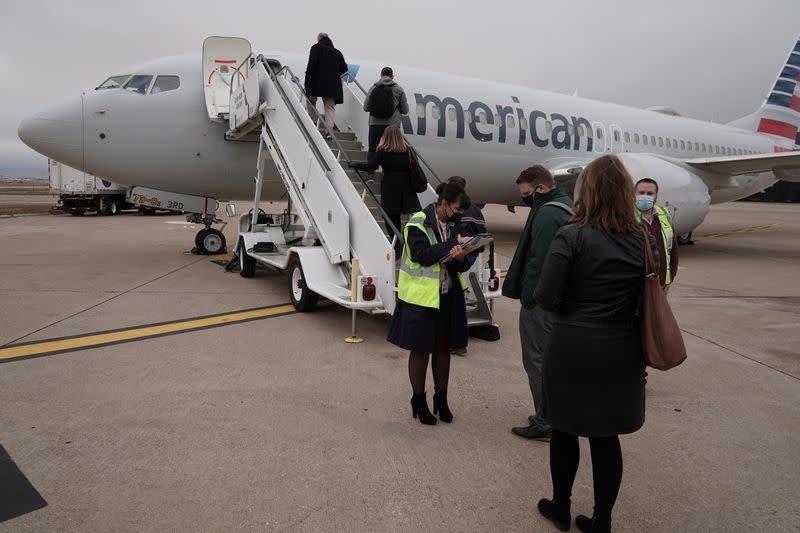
417	284
667	233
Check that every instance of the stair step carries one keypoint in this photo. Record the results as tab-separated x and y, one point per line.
346	145
345	135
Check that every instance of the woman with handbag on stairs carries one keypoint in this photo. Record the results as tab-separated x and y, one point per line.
396	158
593	372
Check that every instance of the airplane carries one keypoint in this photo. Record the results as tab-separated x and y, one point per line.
154	125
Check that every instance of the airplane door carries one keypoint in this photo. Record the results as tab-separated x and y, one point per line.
616	139
599	137
221	57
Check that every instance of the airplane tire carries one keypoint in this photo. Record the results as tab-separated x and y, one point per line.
685	239
303	298
210	242
247	265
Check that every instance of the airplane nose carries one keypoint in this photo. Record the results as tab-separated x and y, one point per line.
56	132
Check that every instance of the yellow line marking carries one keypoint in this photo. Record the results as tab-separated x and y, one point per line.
92	340
751	229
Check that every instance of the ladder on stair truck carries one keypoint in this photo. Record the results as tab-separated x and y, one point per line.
333	238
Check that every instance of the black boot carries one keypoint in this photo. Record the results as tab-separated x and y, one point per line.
592	525
440	406
559	514
419	409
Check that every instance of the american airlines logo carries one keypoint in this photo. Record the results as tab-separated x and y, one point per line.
484	122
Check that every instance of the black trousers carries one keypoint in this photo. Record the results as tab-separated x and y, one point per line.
375	134
565	455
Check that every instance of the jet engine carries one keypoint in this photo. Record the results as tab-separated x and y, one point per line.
680	190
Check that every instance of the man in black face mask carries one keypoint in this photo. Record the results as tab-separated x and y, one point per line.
550	209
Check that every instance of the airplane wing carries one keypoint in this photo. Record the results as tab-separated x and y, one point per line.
785	165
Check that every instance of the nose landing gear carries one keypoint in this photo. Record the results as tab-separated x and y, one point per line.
208	241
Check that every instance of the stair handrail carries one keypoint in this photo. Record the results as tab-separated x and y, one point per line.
419	155
398	236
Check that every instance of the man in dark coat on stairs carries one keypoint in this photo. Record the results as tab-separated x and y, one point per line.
326	65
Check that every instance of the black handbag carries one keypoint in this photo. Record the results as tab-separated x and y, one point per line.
419	183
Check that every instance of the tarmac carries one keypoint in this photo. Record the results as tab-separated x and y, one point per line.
158	392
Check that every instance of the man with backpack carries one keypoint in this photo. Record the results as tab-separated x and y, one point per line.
551	208
385	102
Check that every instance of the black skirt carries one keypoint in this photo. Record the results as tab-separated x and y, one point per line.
416	328
593	380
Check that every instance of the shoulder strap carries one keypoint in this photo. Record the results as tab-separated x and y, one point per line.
565	207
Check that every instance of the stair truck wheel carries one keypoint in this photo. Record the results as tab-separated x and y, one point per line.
303	299
210	242
112	208
247	265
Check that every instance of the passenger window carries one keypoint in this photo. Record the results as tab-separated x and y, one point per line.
644	139
653	140
138	84
436	113
467	116
497	119
683	145
661	142
703	146
675	143
581	131
165	83
689	146
482	117
548	127
716	149
114	82
599	133
589	133
510	122
636	138
616	136
451	114
669	144
570	130
420	110
696	147
523	123
627	137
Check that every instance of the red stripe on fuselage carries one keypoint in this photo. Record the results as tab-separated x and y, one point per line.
795	104
229	61
782	149
776	127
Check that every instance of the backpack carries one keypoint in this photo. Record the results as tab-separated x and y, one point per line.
381	101
565	207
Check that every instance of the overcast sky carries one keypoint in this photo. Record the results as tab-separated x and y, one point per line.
710	59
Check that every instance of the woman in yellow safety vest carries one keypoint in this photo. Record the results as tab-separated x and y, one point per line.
430	317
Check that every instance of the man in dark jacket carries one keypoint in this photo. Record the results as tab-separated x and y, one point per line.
379	119
550	209
326	65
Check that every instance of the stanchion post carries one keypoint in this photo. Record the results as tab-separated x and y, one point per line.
354	271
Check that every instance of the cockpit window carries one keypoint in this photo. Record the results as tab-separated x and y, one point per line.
113	82
138	84
165	83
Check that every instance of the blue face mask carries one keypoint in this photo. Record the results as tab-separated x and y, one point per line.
644	202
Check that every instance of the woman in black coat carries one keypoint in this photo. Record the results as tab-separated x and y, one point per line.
393	156
428	330
593	371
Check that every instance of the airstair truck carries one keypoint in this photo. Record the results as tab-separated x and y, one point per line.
333	238
79	192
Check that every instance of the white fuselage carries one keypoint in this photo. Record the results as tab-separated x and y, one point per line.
485	131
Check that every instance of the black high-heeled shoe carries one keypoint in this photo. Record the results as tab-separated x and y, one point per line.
559	516
440	406
419	409
591	525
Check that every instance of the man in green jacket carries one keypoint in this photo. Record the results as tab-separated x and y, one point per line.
550	209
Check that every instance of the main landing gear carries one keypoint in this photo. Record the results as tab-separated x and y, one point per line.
208	241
